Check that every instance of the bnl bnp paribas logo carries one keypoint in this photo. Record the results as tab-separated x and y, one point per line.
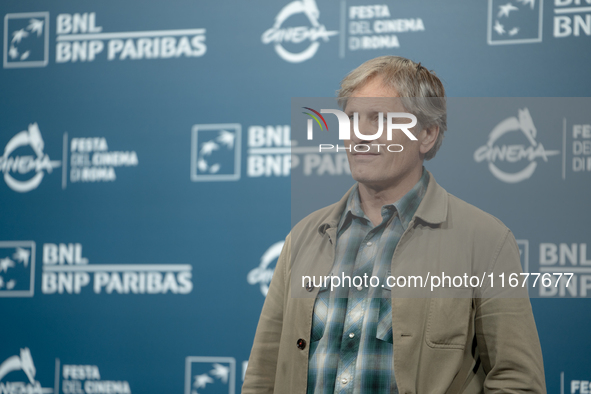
514	21
80	38
24	163
26	42
297	33
215	152
17	268
210	375
521	21
497	154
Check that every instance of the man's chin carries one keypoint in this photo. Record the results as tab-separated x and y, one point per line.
369	179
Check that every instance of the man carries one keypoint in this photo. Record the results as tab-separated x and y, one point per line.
396	221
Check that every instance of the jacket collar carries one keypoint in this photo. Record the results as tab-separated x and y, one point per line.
432	209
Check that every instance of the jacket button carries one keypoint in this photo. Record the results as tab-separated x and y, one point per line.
309	286
301	344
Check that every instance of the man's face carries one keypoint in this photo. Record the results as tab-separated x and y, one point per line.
380	169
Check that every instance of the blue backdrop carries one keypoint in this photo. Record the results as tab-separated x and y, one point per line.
146	171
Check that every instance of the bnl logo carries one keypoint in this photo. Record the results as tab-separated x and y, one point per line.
17	268
210	375
514	21
215	152
26	39
523	245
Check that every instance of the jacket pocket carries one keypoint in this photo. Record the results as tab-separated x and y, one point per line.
448	322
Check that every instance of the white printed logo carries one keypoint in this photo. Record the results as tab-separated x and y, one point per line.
215	152
24	363
210	375
492	152
26	40
17	268
523	245
67	271
92	161
263	274
87	379
514	21
23	165
81	39
296	35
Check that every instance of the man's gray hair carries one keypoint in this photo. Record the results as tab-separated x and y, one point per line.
423	93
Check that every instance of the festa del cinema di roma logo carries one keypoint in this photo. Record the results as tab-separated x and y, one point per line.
23	173
492	152
345	129
22	362
278	35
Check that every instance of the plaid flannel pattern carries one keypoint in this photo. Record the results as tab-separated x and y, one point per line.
351	338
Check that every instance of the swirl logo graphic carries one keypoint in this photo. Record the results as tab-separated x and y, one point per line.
263	274
492	152
296	35
38	164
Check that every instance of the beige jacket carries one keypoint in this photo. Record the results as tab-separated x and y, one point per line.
479	341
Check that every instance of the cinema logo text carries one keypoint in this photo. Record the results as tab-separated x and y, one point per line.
263	274
22	171
67	271
492	152
24	363
280	35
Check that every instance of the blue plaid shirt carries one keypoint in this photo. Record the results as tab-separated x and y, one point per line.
351	339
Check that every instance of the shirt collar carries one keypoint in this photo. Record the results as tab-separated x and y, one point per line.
406	206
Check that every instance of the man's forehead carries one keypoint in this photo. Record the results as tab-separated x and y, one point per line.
375	87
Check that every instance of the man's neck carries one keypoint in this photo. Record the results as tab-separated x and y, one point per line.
374	197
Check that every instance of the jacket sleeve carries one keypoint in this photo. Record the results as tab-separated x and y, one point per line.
506	333
262	364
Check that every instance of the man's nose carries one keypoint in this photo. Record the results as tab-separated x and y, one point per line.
364	127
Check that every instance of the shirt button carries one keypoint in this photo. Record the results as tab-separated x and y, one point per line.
309	286
360	288
352	335
369	243
301	344
344	380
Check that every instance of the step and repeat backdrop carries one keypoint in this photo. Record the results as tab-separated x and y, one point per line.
146	171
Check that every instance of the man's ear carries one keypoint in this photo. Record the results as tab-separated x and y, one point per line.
427	138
